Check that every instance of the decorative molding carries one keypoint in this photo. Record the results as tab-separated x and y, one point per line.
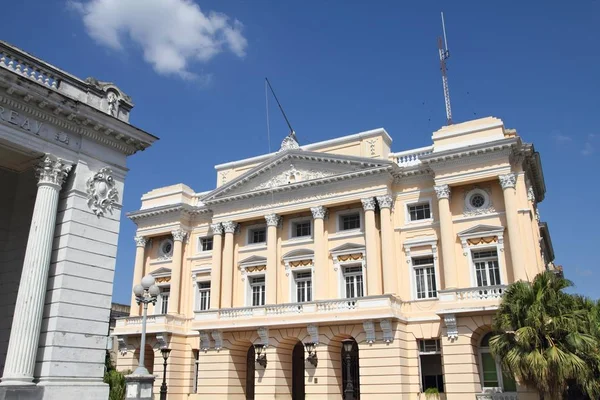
204	341
272	219
101	191
371	146
481	234
442	191
508	181
217	228
289	143
487	208
385	201
291	176
451	326
179	235
386	327
369	327
422	241
52	170
368	203
313	331
140	241
263	334
531	194
162	339
229	226
319	212
218	338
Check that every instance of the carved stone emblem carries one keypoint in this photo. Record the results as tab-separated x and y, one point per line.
102	194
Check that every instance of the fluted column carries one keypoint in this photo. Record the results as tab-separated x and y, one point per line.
272	267
29	309
374	284
176	264
447	236
138	271
321	282
227	282
508	183
388	262
215	271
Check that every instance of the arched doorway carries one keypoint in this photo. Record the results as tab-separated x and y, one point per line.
298	372
350	370
250	370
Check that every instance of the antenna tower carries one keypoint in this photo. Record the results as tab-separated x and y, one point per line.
444	55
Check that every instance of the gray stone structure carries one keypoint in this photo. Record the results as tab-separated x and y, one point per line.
63	149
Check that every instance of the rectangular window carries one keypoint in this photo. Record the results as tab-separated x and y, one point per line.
350	221
303	286
425	284
487	269
430	363
206	244
257	287
301	228
353	277
163	305
419	211
204	295
257	235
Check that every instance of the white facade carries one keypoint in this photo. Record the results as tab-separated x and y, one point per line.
63	149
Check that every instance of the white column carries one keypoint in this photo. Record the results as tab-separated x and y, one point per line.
374	282
447	236
27	320
388	261
138	271
215	272
176	266
272	264
321	262
508	183
227	269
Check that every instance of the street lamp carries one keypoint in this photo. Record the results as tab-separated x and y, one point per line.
261	357
311	349
163	387
349	390
145	293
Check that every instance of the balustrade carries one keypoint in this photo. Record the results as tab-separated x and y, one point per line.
412	157
19	64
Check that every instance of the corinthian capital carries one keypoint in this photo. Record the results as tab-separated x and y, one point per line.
272	219
508	180
229	226
140	241
442	191
319	212
217	228
368	203
52	170
179	235
385	201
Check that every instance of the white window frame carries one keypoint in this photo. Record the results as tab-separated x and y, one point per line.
415	202
419	242
199	248
293	222
252	228
414	275
488	389
472	262
199	292
486	196
294	288
249	291
340	214
159	303
345	275
338	267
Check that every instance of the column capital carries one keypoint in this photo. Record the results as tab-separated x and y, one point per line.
319	212
229	226
368	203
272	219
217	228
140	241
52	170
179	235
442	191
385	201
508	181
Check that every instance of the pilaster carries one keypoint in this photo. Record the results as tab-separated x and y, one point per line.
227	282
321	263
374	282
447	236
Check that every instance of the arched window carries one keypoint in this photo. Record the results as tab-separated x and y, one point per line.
492	377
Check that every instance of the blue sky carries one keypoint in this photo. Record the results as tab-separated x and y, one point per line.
339	67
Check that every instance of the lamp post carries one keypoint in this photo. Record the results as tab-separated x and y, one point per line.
349	390
163	387
140	382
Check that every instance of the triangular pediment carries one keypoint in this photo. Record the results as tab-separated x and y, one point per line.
163	271
298	253
254	260
295	169
348	247
481	230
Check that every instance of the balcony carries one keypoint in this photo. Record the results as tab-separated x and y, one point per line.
154	324
482	298
360	308
496	396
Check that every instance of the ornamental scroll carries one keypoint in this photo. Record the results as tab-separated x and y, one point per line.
101	191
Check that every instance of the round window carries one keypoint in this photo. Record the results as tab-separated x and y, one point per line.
166	248
477	200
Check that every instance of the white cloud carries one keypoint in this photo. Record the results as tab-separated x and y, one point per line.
562	138
588	149
172	33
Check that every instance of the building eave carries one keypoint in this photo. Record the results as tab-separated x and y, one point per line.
182	208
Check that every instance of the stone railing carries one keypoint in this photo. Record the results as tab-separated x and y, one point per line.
151	320
25	65
473	293
410	158
496	396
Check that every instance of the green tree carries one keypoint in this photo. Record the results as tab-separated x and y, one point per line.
115	380
548	339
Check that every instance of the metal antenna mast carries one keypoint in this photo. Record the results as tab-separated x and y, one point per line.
444	55
292	132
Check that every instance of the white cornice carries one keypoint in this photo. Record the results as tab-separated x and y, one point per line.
466	128
184	209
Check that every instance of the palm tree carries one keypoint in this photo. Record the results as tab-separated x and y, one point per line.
548	339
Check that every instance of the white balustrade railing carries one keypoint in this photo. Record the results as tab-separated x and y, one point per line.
481	293
335	305
294	308
496	396
236	312
410	158
23	64
154	319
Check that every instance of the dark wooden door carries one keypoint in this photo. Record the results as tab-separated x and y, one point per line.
250	370
298	372
354	370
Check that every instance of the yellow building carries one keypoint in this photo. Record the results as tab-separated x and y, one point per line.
339	269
